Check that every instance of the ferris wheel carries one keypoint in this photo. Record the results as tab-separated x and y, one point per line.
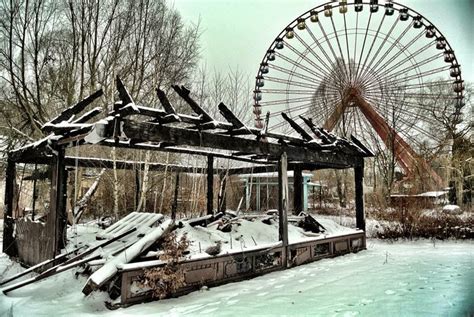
378	71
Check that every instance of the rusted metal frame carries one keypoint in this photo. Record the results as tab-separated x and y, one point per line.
9	244
75	109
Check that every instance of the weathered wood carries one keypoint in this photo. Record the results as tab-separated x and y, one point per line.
160	133
283	206
210	185
359	196
9	246
230	116
57	219
124	95
184	93
105	273
362	146
72	262
75	109
305	135
298	190
176	149
165	102
39	265
88	115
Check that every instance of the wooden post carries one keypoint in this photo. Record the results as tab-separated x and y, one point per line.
297	190
9	246
57	218
210	184
359	195
174	208
283	206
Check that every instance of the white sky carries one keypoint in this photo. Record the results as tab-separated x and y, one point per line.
237	33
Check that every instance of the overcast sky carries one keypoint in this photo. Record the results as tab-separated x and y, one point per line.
237	33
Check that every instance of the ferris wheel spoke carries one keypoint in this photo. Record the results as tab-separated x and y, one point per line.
305	58
415	66
288	91
394	44
339	46
295	74
284	101
387	36
343	76
321	48
414	76
347	49
309	49
402	50
372	45
363	45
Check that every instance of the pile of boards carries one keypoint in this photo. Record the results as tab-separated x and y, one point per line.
130	238
119	244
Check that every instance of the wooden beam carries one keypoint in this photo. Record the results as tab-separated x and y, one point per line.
124	95
230	116
210	185
359	196
184	93
165	102
305	135
298	190
283	206
9	244
175	149
88	115
75	109
57	218
159	133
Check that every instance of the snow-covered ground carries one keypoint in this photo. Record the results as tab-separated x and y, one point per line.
391	279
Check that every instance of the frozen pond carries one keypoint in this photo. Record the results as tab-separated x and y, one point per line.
399	279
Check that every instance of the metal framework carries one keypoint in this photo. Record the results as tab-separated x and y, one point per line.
358	67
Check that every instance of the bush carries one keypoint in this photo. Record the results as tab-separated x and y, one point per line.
165	280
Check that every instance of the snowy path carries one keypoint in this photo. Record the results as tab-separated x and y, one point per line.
400	279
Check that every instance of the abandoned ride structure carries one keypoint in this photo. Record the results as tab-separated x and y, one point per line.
132	126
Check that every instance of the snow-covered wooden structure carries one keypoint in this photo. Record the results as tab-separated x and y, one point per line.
129	125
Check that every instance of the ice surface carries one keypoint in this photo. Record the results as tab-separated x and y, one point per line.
388	279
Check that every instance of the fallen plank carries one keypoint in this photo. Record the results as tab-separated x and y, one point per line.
75	261
105	273
37	266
